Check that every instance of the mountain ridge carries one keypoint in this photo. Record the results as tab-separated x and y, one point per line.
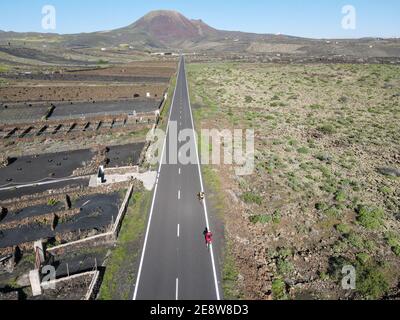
168	30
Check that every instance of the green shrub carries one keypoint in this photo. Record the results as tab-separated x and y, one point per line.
323	276
284	266
327	129
321	206
371	282
333	212
340	196
276	217
248	99
370	218
263	219
363	258
393	241
343	228
250	197
355	240
279	289
303	150
385	190
340	246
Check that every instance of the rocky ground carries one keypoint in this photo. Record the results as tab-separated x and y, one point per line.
325	190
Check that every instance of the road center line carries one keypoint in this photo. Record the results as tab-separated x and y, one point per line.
179	195
178	231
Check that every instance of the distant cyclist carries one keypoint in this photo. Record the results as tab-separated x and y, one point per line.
201	196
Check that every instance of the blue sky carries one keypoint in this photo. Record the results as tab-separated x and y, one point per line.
308	18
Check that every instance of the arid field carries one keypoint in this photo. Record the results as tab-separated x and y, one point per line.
326	189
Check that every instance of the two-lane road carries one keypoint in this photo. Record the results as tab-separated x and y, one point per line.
175	263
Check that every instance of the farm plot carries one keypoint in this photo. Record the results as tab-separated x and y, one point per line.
74	289
32	169
63	111
42	91
86	78
22	113
96	212
80	261
124	155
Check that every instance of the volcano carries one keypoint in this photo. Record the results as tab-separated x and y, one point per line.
171	26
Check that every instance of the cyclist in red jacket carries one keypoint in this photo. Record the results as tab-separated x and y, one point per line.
208	237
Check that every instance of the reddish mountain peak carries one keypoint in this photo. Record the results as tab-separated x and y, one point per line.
171	25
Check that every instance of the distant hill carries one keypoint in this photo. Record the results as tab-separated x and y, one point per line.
170	30
170	26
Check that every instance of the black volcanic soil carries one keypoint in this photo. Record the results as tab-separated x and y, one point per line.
96	211
31	169
124	155
91	78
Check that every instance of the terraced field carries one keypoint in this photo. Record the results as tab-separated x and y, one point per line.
59	125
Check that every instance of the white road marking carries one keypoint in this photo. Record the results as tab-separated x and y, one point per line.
202	188
179	170
178	232
179	195
177	289
155	194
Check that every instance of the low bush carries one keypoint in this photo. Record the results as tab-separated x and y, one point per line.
279	289
370	218
250	197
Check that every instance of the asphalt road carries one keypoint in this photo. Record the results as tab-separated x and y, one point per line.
175	263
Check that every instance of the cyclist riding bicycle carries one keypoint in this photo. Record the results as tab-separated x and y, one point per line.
201	196
208	237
